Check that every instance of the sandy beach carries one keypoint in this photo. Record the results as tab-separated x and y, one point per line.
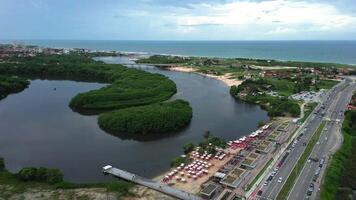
226	78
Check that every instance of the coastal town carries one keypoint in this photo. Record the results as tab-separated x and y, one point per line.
178	100
245	167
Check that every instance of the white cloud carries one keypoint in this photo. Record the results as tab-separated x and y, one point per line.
281	30
295	15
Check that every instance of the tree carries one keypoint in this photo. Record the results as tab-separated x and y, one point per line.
260	123
188	147
175	162
2	164
27	174
207	135
54	176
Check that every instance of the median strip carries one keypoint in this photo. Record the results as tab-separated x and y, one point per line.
288	185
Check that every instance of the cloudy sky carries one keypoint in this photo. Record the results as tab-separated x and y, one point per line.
178	19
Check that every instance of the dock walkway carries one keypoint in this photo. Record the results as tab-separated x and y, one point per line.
151	184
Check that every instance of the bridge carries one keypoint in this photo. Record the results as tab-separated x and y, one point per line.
149	183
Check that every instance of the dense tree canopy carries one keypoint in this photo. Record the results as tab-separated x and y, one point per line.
41	174
10	85
2	164
155	118
129	87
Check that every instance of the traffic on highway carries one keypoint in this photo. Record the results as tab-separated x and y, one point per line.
330	110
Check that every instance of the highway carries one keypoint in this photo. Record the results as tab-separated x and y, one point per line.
271	187
328	141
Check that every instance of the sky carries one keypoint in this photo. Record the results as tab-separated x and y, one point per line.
178	19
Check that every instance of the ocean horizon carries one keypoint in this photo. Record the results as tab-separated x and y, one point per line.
333	51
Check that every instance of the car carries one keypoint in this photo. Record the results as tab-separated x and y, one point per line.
259	193
309	193
315	177
275	169
280	179
311	187
265	183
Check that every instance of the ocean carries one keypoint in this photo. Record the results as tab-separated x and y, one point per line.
314	51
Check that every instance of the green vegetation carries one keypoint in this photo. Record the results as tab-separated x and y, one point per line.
269	88
283	194
175	162
165	59
340	175
137	93
155	118
41	174
129	87
188	147
161	59
211	142
327	84
308	108
255	91
51	179
10	85
2	164
260	124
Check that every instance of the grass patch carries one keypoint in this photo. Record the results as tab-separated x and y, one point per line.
308	108
326	84
11	185
340	176
288	185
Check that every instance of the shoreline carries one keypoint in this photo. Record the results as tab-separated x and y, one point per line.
226	79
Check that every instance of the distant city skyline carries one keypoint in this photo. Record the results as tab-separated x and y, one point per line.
178	20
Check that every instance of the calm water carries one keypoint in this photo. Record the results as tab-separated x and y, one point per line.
323	51
39	129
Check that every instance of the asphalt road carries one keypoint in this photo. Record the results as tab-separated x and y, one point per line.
271	190
327	141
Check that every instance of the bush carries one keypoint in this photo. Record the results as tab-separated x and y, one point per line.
156	118
341	172
120	186
175	162
9	85
188	147
2	164
50	176
210	142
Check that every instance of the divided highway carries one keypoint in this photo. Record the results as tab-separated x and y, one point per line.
332	104
308	182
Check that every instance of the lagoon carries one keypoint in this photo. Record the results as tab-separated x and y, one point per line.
39	129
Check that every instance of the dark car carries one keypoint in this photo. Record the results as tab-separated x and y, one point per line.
315	177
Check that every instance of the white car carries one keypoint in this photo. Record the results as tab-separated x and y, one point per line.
280	180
